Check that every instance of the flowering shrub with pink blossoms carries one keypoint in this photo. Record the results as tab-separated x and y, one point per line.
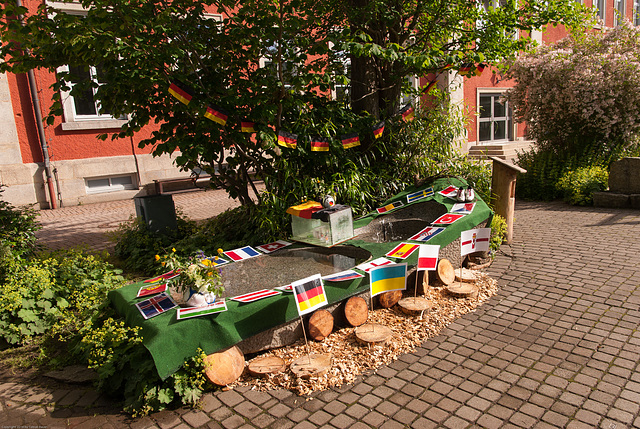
583	90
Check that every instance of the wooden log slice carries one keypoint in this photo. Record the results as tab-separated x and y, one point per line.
466	275
462	289
415	306
320	325
224	367
260	367
356	311
389	299
373	333
445	272
311	365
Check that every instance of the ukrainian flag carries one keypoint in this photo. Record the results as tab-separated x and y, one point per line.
388	278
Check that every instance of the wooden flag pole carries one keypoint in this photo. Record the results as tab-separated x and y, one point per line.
304	334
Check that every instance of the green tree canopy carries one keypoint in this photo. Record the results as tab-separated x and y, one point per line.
273	63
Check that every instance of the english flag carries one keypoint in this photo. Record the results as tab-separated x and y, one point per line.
428	257
309	294
474	240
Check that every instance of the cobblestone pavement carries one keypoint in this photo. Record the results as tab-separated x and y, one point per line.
558	346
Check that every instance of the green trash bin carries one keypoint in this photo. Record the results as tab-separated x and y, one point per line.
158	212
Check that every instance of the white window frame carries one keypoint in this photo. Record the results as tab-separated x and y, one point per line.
636	12
484	5
111	187
510	126
601	9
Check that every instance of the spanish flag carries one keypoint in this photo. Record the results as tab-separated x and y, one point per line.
388	278
378	129
287	139
350	140
319	144
403	250
247	127
216	115
181	91
309	294
407	113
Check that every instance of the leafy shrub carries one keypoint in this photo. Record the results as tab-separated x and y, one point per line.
498	233
579	185
18	226
56	294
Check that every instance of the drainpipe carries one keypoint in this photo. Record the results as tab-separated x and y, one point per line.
41	137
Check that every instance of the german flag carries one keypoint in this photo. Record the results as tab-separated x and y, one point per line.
378	129
407	112
429	86
216	115
248	127
350	140
480	69
309	294
466	69
181	91
319	144
287	139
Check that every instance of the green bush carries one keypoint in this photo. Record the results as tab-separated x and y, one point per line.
18	226
56	295
498	234
578	186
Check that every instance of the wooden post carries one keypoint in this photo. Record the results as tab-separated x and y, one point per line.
503	191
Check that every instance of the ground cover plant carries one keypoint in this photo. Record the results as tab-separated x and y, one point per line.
581	102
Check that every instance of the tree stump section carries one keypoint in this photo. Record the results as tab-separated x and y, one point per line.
356	311
224	367
260	367
466	275
415	306
462	290
311	365
445	272
320	325
391	298
373	333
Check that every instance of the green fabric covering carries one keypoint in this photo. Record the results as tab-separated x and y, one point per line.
171	341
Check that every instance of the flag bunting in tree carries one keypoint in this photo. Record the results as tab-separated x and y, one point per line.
181	91
408	113
309	294
378	130
286	139
350	140
428	257
474	240
319	144
388	278
216	115
248	127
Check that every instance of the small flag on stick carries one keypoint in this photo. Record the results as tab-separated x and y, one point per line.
408	113
428	257
247	127
319	144
181	91
216	115
388	278
350	140
378	130
286	139
309	294
474	240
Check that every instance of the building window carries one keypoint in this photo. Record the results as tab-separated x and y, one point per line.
601	5
621	9
110	184
494	119
636	13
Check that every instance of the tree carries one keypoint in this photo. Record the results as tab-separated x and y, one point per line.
581	93
271	62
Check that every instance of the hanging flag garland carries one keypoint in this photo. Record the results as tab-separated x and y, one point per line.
378	129
181	91
408	113
350	140
248	127
319	144
286	139
216	115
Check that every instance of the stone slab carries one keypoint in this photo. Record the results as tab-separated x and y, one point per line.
611	200
624	176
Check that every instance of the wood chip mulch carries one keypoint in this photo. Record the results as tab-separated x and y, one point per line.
350	358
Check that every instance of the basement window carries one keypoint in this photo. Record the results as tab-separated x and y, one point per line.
110	184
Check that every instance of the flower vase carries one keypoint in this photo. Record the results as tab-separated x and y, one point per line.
194	298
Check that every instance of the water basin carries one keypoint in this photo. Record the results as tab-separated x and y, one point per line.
402	224
287	265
